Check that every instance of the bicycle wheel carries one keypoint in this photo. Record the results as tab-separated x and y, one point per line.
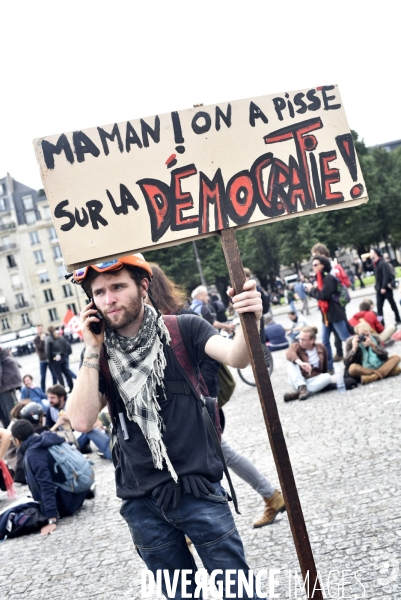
247	374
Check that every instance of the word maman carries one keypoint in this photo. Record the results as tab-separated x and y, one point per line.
307	178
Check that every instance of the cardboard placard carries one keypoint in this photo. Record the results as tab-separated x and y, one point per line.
162	180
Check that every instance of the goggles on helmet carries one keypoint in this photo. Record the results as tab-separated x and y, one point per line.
115	264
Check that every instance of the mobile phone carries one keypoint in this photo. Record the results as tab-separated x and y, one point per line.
96	328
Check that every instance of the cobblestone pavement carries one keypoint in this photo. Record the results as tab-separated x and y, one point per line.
345	453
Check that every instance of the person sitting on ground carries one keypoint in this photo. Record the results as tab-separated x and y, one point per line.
30	392
366	359
275	335
307	366
296	326
41	475
56	419
366	315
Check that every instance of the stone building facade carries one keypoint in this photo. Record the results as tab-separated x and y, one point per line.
33	288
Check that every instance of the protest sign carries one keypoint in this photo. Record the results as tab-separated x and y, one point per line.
170	178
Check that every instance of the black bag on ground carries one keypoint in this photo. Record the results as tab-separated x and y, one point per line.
21	518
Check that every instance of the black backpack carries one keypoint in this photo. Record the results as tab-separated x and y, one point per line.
21	518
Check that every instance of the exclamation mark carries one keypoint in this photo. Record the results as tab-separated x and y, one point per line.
346	147
178	137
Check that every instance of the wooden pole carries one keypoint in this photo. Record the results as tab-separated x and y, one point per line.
273	425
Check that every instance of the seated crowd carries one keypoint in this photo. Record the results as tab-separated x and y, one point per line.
25	450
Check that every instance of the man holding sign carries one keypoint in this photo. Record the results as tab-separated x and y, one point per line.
167	470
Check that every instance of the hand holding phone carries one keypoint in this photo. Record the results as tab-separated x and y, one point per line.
96	326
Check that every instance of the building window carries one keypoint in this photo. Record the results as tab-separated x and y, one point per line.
4	324
2	204
25	319
38	254
20	300
48	295
27	201
46	213
72	307
11	261
67	290
34	237
2	189
15	281
52	233
53	316
57	252
61	272
30	217
43	276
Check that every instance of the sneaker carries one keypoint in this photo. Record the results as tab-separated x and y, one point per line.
338	358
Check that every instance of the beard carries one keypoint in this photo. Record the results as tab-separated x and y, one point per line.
128	314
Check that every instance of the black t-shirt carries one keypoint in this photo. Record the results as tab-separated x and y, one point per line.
189	444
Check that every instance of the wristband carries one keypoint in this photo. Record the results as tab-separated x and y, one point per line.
52	521
90	365
91	355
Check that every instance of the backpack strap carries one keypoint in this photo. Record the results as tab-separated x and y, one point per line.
198	388
111	400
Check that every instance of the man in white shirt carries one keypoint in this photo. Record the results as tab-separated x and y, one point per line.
307	366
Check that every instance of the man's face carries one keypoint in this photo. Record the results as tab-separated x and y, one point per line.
119	299
306	341
203	296
56	401
27	381
39	329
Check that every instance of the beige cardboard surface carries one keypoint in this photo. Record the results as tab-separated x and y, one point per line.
161	180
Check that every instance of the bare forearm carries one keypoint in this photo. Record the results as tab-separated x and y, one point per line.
84	404
232	352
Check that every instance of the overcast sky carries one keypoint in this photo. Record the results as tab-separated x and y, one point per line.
76	64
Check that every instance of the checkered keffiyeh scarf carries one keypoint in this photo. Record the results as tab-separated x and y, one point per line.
137	366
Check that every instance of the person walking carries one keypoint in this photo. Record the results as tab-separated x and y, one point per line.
358	270
170	300
10	381
39	343
327	293
299	289
383	288
57	350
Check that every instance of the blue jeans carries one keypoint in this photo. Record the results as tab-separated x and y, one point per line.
341	328
100	438
43	368
159	536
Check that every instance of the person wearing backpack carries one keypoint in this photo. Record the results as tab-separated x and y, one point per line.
43	481
334	317
383	287
168	470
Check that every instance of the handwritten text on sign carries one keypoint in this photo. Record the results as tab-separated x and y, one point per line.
164	179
